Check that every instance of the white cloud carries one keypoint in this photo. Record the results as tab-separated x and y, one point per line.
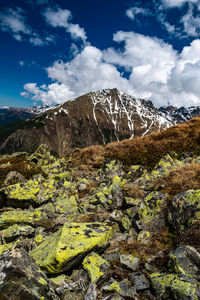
134	11
13	21
191	23
176	3
156	72
53	93
36	40
187	24
62	18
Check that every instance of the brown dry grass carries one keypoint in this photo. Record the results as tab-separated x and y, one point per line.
132	190
20	165
181	179
147	150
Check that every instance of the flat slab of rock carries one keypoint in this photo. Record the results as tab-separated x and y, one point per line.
32	192
21	217
65	248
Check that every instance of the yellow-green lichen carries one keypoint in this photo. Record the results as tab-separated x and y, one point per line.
5	248
42	281
59	250
17	230
96	266
21	217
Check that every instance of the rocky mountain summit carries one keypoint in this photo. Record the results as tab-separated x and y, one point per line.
113	222
95	118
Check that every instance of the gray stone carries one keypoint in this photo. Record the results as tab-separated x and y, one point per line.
185	260
139	281
130	261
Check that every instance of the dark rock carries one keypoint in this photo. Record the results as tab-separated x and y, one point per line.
185	209
139	281
185	260
20	278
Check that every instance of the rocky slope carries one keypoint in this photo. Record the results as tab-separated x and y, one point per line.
92	119
115	229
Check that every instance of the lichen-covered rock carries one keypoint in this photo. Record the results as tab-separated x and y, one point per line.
151	212
96	266
130	261
32	192
135	172
68	246
13	177
124	288
144	237
66	206
15	231
185	260
20	278
48	162
6	247
185	209
139	281
21	217
161	169
171	286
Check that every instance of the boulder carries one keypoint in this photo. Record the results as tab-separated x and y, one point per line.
96	266
123	288
172	286
20	278
185	260
11	233
12	217
32	192
139	281
151	213
68	246
130	261
185	209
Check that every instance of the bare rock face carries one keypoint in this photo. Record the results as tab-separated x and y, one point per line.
96	118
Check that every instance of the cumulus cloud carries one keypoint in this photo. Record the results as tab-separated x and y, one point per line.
51	94
156	71
14	22
62	18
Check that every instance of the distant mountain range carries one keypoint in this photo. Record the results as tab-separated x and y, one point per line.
11	114
95	118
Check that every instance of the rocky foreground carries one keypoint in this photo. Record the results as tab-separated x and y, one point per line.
113	233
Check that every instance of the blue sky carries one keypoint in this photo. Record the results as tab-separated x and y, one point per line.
52	51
